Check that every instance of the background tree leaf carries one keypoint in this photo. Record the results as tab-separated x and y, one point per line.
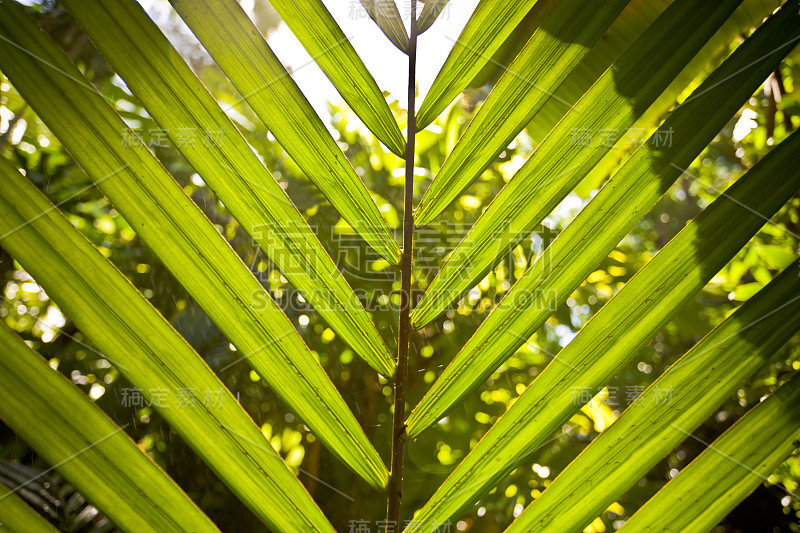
15	515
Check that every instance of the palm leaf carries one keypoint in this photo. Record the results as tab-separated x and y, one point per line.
177	100
747	16
655	423
15	515
387	17
431	11
565	37
145	348
178	232
490	24
616	101
621	328
624	63
633	21
314	26
240	50
604	222
93	453
728	470
629	25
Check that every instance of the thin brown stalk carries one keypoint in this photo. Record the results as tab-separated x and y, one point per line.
401	376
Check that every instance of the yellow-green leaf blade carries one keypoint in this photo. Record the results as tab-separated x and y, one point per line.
562	40
16	515
430	12
490	24
676	403
148	352
608	217
316	29
88	449
631	23
243	54
179	102
181	236
559	163
728	470
621	328
387	17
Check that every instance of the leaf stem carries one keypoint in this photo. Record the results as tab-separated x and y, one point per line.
401	376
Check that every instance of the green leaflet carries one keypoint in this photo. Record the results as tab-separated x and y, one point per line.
559	163
619	205
387	17
728	470
490	24
15	515
621	328
571	29
629	25
748	15
674	405
633	20
95	455
314	26
152	356
178	232
431	11
239	49
177	100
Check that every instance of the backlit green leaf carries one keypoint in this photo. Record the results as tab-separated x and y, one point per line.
143	346
597	229
490	24
95	455
314	26
564	158
565	37
387	17
673	406
431	11
178	232
179	102
241	51
728	470
621	328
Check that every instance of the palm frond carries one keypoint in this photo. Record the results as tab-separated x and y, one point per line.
620	329
92	452
177	231
179	102
729	469
671	408
265	84
145	348
600	226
